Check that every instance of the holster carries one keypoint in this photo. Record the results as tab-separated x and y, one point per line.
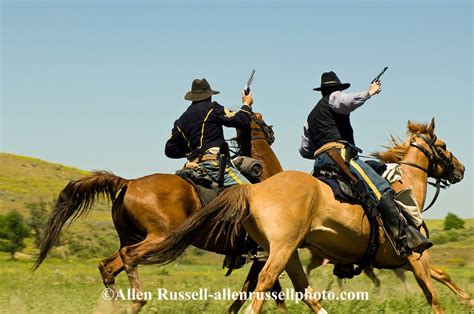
333	153
223	158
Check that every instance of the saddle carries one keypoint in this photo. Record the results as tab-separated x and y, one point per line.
202	182
208	188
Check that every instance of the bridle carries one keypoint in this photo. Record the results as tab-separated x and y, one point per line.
267	130
435	158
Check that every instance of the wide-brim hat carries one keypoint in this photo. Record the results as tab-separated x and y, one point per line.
330	80
200	90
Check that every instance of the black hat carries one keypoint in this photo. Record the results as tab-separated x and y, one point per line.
330	79
200	90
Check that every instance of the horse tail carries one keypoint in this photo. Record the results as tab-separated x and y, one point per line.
76	200
224	214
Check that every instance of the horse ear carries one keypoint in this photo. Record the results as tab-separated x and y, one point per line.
410	127
431	128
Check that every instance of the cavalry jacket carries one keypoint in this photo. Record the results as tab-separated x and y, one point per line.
200	127
325	125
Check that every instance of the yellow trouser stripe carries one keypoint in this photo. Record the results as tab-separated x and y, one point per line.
366	179
202	129
233	176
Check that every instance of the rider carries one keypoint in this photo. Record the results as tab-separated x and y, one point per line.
198	134
328	135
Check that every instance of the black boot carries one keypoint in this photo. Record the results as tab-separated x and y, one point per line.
416	241
407	237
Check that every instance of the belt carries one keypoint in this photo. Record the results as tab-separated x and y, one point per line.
327	146
205	157
210	154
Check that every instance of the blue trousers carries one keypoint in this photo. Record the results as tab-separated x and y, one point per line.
377	186
232	176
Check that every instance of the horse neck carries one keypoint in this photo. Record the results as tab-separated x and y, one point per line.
261	150
413	177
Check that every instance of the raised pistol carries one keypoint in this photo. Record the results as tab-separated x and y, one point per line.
249	82
377	78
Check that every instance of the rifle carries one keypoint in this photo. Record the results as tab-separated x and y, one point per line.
249	82
377	78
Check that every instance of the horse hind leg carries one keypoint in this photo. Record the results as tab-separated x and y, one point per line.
420	266
133	255
109	268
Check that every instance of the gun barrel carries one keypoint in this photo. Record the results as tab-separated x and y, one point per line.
249	82
377	78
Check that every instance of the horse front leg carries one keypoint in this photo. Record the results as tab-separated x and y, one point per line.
443	277
420	266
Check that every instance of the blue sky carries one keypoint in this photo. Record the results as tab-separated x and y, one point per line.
98	84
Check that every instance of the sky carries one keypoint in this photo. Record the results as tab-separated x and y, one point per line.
98	84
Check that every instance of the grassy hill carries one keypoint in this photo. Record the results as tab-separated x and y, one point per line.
26	180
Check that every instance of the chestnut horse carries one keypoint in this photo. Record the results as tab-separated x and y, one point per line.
146	209
293	209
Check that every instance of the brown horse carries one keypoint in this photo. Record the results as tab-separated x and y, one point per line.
146	209
293	209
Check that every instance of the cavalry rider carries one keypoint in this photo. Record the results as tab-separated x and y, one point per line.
328	136
198	134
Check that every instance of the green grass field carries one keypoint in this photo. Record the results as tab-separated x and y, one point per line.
69	282
74	286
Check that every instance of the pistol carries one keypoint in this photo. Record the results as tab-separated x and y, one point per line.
377	78
249	82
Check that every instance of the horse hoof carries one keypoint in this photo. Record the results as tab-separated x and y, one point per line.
322	311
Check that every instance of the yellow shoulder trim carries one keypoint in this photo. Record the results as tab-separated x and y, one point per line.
229	113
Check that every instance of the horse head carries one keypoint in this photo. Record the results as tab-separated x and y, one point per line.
257	130
260	129
442	164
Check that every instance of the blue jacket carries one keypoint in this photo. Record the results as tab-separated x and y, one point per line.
200	127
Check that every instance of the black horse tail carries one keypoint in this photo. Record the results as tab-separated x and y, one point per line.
76	200
224	214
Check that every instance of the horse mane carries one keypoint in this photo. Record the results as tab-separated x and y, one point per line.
397	148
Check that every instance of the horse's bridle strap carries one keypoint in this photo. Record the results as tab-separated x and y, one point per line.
414	165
